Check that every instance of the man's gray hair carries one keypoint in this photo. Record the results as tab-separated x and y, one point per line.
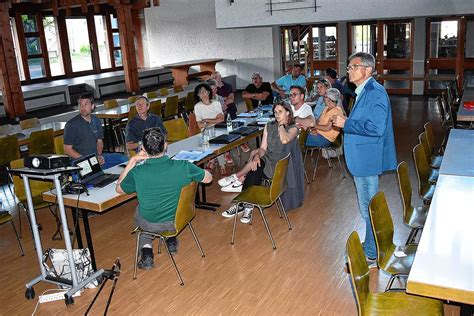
365	58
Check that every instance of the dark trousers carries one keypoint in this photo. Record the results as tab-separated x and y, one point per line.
255	177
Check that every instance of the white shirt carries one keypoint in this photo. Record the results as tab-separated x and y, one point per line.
304	111
207	112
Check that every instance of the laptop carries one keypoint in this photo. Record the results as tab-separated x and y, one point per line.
91	173
224	139
245	130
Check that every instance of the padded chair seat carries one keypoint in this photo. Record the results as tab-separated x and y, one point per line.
418	217
395	303
255	194
399	265
436	162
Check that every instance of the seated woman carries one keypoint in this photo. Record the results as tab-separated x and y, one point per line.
262	161
322	86
208	111
323	133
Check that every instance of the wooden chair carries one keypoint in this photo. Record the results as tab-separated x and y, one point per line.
132	112
10	151
413	217
110	104
177	130
425	188
6	217
193	126
59	145
178	89
389	303
29	123
41	142
248	104
132	99
382	226
334	150
185	213
435	159
163	92
263	197
156	108
171	107
151	94
433	162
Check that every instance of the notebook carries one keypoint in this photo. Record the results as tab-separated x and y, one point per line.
91	173
245	130
224	139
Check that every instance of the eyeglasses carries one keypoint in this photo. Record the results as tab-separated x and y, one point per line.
292	95
354	67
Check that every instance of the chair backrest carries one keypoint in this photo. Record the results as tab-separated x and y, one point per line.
37	187
193	125
449	94
10	149
5	129
29	123
359	270
441	110
404	185
278	180
382	226
132	112
248	104
59	145
423	140
185	211
190	102
177	130
163	91
41	142
302	137
422	168
131	99
156	107
429	137
171	106
178	89
151	94
110	104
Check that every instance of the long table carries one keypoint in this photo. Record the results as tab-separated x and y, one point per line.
464	114
101	200
24	134
180	70
443	267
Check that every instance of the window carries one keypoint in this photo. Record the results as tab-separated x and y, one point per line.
33	47
443	39
16	48
102	41
116	41
79	44
397	39
324	43
364	38
54	46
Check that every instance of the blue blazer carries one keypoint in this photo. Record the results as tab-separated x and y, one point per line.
368	133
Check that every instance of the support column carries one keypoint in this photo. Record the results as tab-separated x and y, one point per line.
9	78
127	43
419	49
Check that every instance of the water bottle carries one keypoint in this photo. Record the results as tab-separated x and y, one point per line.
229	123
259	109
205	135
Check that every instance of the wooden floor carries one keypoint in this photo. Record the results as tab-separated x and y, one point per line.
304	275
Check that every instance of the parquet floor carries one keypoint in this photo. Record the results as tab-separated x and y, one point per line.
304	275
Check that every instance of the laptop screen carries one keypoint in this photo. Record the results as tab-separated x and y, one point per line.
90	166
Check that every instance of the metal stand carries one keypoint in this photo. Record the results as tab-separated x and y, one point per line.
73	285
112	274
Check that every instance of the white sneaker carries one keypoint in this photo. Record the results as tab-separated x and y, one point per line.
247	217
234	187
227	180
232	210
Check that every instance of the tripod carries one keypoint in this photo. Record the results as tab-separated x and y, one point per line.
112	274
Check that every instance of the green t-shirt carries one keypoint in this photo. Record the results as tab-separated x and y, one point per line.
158	183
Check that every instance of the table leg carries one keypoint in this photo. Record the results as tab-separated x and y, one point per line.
85	219
200	201
111	135
75	220
106	133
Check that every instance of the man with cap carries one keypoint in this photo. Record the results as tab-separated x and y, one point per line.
258	91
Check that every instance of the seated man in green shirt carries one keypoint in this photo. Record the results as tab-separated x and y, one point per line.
158	181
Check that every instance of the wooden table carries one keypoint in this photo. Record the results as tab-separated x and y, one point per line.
458	158
466	115
444	262
180	70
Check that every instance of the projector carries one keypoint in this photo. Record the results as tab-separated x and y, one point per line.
49	161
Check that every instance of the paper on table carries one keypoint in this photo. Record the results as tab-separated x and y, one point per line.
192	155
247	114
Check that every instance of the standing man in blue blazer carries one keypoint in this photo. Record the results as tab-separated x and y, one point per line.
368	139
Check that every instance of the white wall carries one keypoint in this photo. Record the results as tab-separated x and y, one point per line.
181	30
251	13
